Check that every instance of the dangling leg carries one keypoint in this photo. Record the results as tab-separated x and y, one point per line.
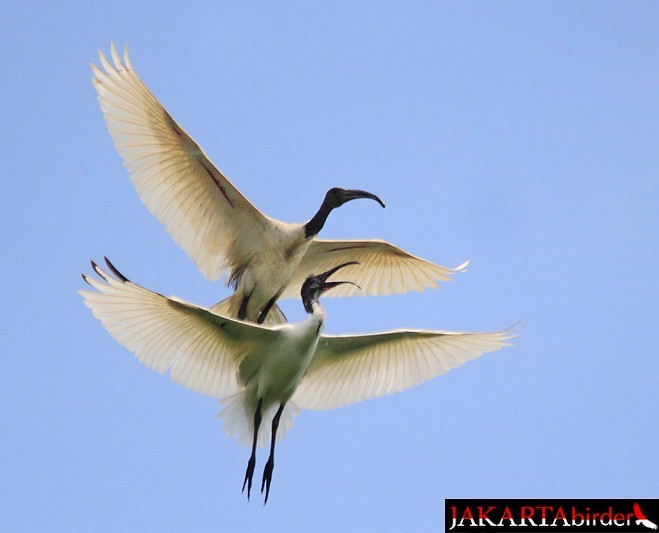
266	309
249	474
270	465
242	312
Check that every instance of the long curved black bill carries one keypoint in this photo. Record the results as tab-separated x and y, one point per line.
322	277
354	194
331	284
326	285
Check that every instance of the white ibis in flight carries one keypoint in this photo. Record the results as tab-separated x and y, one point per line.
220	229
263	375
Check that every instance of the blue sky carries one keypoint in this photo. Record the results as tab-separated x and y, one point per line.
521	136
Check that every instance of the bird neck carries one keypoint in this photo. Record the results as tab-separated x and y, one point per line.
308	305
317	316
317	222
313	307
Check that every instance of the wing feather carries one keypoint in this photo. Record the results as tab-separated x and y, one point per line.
384	268
200	349
352	368
199	207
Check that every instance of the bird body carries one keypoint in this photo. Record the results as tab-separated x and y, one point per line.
220	229
263	375
241	351
275	372
268	268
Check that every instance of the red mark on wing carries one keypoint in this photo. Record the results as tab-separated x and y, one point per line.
358	246
353	247
179	133
172	124
219	185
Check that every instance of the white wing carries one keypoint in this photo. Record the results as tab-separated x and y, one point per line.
200	349
383	269
349	369
199	207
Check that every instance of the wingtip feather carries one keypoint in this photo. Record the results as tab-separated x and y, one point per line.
116	58
462	267
115	271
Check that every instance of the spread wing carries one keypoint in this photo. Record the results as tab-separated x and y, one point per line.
200	349
383	269
199	207
349	369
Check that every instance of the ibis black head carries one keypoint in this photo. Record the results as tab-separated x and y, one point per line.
314	286
337	196
334	198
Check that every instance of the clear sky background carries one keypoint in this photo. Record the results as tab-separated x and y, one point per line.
521	136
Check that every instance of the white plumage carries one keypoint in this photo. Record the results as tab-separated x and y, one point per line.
220	229
287	366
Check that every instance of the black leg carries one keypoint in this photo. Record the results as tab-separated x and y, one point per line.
249	474
266	309
242	312
270	465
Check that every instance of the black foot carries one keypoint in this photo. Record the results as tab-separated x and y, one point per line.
249	474
267	478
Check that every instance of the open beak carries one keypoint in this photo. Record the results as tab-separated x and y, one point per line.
354	194
326	285
331	284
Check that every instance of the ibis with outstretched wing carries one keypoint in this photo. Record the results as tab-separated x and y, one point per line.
220	229
263	375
